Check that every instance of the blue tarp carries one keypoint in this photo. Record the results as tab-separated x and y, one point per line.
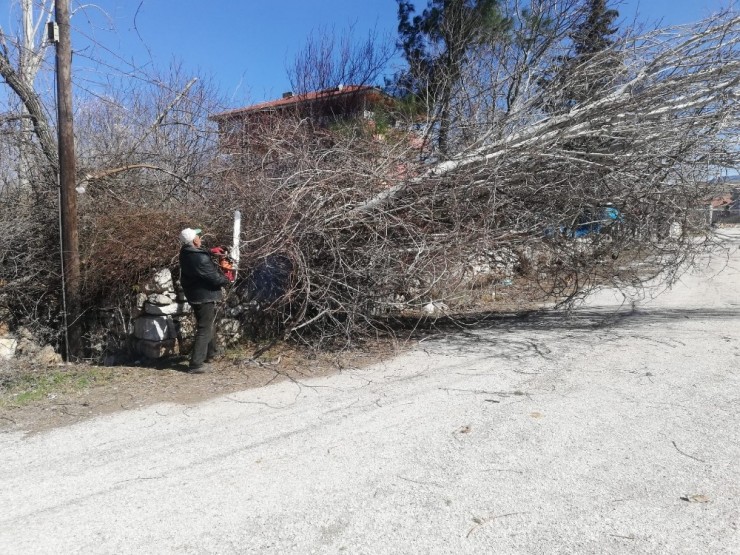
590	221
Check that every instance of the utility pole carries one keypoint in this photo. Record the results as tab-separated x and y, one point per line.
68	194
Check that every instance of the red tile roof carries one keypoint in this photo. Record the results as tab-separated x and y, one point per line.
296	99
722	200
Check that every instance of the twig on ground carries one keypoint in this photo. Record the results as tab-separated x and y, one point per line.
481	521
686	454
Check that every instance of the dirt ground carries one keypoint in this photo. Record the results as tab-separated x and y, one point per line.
34	399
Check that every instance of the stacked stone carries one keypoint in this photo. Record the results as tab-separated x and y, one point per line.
160	309
162	325
500	262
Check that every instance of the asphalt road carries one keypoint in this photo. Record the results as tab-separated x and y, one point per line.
614	430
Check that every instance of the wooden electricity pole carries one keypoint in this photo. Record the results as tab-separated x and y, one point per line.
68	194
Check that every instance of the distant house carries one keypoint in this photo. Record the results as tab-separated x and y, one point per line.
721	201
244	127
725	207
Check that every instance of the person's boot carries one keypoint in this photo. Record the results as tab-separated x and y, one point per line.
198	368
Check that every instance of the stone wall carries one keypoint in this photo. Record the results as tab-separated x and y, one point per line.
154	323
163	324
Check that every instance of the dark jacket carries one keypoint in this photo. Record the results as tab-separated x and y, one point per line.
200	277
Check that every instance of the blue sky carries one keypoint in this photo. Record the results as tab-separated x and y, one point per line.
245	45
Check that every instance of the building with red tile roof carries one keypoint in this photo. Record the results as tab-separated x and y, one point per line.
335	97
244	126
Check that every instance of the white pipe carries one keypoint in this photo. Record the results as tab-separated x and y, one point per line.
235	241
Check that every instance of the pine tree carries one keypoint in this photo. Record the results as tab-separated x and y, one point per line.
436	45
594	34
591	38
585	71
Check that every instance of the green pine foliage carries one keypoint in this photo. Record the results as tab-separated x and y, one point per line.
587	69
436	45
595	33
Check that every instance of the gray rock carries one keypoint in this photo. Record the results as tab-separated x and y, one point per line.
154	328
156	349
27	347
163	280
140	300
48	356
435	308
229	330
159	299
8	346
157	310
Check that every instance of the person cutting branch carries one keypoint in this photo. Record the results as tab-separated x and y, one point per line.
201	281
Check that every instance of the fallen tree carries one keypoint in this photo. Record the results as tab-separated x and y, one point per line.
379	228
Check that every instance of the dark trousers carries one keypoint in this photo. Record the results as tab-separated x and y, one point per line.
205	333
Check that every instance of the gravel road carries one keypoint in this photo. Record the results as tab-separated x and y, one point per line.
613	430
